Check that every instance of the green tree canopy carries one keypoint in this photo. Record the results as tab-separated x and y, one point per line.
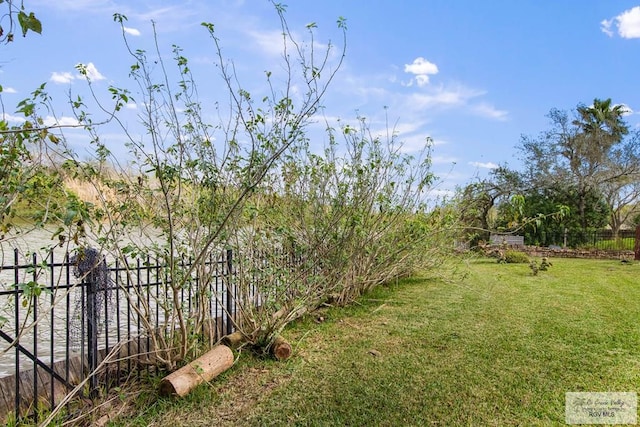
580	153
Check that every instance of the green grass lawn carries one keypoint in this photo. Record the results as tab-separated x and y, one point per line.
497	347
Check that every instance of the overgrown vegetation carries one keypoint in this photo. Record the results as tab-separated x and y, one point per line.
351	218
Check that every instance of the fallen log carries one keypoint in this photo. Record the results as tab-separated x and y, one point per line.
281	349
234	340
204	368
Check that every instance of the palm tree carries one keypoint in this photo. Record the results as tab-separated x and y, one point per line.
599	127
602	122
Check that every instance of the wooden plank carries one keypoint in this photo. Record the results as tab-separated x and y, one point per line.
26	390
8	388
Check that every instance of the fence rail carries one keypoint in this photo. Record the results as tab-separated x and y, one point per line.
56	329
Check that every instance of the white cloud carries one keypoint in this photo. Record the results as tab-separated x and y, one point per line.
456	96
131	31
401	128
367	87
269	42
67	77
272	43
438	160
181	16
489	111
61	78
627	23
93	73
605	26
421	69
61	121
444	97
484	165
6	89
414	143
421	66
172	18
422	80
13	119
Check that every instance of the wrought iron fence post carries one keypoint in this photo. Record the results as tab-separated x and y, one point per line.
230	303
92	331
16	272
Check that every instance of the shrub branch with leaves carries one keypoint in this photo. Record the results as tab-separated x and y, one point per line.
189	183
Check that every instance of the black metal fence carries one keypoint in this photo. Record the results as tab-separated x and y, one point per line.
56	329
587	239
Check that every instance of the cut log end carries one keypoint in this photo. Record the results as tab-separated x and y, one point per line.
281	349
167	388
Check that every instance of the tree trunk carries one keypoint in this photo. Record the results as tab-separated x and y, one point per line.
582	206
637	245
616	223
204	368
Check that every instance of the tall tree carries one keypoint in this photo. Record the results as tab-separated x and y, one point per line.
580	153
600	127
621	185
603	123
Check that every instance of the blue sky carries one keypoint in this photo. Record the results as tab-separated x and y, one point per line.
474	76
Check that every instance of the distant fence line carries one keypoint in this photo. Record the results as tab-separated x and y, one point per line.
69	341
575	239
587	239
